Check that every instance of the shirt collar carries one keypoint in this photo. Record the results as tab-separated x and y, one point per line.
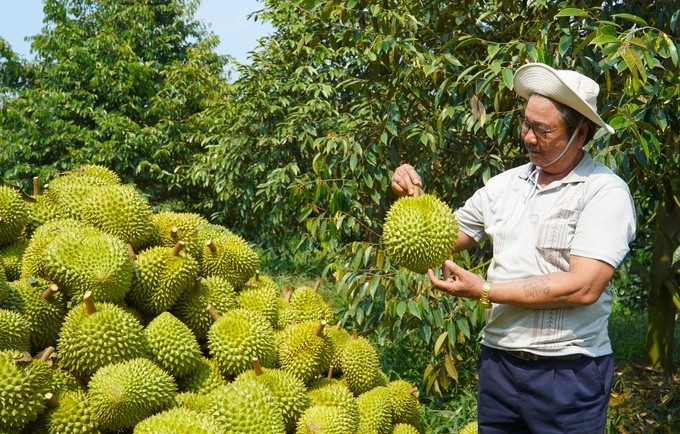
578	174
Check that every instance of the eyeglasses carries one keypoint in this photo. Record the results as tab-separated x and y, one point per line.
538	131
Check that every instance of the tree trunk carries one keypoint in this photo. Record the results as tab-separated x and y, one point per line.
661	310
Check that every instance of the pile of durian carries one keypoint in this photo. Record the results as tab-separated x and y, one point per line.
118	319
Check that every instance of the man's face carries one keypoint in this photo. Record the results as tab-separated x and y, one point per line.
544	134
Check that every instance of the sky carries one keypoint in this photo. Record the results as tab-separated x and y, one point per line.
226	18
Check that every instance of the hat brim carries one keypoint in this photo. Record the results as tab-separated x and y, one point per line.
542	79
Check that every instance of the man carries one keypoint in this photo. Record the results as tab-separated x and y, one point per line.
559	226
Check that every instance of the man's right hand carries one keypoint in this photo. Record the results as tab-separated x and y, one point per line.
406	181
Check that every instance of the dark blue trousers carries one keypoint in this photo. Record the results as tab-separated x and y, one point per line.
543	396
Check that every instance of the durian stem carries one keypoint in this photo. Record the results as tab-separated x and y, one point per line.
330	372
88	299
417	191
213	313
36	186
317	285
51	400
46	354
211	246
319	330
257	275
50	291
355	334
174	232
178	248
287	293
131	251
197	284
415	391
338	326
257	367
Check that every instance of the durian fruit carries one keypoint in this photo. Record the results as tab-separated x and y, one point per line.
322	419
33	259
172	226
337	395
94	335
123	394
469	428
42	210
83	259
69	193
178	420
406	407
305	350
205	377
4	286
102	174
308	305
121	211
288	391
172	345
339	336
10	256
246	407
419	233
24	382
191	308
261	294
16	331
43	306
199	402
162	275
14	215
71	413
285	315
228	255
375	411
404	428
360	365
238	336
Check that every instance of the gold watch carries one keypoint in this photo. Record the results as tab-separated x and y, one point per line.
484	299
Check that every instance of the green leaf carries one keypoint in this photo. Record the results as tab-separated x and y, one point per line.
676	256
572	12
632	18
440	341
413	308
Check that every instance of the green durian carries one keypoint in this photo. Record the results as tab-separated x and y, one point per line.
336	394
11	256
375	411
191	308
14	215
360	364
25	381
469	428
172	226
261	294
308	305
205	377
16	331
230	256
238	336
69	193
172	345
246	407
419	233
94	335
4	286
178	420
162	275
102	174
123	394
404	428
406	407
33	259
72	414
288	391
305	350
121	211
323	419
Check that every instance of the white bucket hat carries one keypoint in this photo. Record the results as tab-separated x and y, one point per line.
566	87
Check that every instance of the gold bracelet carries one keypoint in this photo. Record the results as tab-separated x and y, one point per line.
484	299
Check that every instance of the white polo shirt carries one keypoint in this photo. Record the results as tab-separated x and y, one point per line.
534	231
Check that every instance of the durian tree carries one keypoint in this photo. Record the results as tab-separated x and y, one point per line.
116	83
344	91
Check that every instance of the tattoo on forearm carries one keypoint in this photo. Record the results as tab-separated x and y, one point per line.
536	286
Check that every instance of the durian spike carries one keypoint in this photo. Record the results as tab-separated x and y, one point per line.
197	284
213	313
317	285
88	299
46	354
36	186
50	291
257	367
178	248
287	293
355	334
174	233
131	251
319	330
51	400
417	191
211	246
